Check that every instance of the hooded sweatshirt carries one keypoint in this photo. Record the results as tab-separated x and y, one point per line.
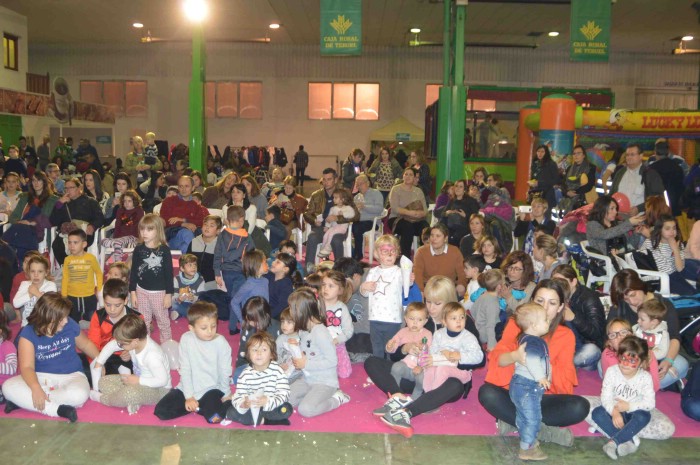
231	246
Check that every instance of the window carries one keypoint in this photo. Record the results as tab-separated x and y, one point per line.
344	100
127	98
230	99
10	54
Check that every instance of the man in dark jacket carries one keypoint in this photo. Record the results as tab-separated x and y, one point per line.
671	174
74	205
628	179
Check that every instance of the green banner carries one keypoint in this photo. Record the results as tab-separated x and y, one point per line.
590	30
341	27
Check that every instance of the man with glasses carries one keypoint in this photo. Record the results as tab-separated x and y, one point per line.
73	210
636	181
182	215
54	174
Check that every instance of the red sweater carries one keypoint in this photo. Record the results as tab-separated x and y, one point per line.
127	222
176	207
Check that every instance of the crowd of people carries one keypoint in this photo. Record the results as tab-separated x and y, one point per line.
449	293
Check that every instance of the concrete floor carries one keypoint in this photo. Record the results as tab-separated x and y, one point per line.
58	443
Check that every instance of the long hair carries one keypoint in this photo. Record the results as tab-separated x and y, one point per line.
654	207
97	181
49	311
122	176
153	221
246	198
256	314
290	262
600	209
339	279
561	287
658	227
254	189
46	192
304	307
547	154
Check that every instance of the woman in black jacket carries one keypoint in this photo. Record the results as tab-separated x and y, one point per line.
585	316
544	175
458	212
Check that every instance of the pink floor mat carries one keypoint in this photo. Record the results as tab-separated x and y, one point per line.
465	417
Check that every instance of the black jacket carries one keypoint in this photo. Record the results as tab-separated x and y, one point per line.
83	208
624	312
589	319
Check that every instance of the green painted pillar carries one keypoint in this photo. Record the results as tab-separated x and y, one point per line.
452	98
198	127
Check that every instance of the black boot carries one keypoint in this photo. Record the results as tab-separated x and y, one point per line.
68	412
10	407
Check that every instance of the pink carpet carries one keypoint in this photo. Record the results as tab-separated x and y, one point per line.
465	417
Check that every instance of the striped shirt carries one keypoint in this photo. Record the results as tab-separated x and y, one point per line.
272	382
663	256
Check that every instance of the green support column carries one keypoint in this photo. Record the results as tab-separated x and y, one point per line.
453	97
198	128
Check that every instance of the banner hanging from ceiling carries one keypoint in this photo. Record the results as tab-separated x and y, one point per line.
590	30
341	27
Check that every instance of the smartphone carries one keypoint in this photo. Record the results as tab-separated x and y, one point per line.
525	209
117	194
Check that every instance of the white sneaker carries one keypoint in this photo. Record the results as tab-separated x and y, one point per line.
341	397
95	395
174	315
133	408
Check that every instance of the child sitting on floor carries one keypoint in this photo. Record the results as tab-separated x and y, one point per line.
117	270
409	368
205	370
335	291
282	279
151	378
652	327
262	392
103	320
8	354
627	398
188	284
487	308
254	267
256	319
288	336
474	265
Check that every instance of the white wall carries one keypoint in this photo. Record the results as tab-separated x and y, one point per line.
285	71
16	25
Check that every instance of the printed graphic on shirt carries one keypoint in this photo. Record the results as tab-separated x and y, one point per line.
46	352
381	286
153	261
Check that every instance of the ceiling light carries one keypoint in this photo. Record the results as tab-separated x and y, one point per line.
553	34
274	26
415	30
195	10
687	38
138	25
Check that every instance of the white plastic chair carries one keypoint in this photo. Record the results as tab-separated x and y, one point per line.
433	219
377	229
217	212
665	288
347	246
298	235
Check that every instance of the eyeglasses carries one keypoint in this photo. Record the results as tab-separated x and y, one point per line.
123	344
621	333
515	269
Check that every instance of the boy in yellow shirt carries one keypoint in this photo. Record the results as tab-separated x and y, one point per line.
82	278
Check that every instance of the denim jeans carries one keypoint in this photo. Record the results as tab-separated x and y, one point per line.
634	423
680	365
179	238
691	407
587	356
233	280
526	395
379	334
181	308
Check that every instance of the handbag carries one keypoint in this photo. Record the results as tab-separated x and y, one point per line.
287	216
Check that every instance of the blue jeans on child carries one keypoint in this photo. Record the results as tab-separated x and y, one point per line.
526	395
379	334
233	280
179	238
181	307
634	423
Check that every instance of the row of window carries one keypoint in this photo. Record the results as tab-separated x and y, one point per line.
233	99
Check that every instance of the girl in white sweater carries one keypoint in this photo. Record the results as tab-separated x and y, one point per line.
37	270
627	398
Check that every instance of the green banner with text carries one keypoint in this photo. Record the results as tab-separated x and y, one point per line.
590	30
341	27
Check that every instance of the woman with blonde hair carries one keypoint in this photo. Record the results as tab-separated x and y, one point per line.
219	194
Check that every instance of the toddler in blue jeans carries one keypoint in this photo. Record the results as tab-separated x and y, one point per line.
531	380
627	398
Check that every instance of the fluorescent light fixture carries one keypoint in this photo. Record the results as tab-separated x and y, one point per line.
138	25
274	26
415	30
553	34
687	38
195	10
